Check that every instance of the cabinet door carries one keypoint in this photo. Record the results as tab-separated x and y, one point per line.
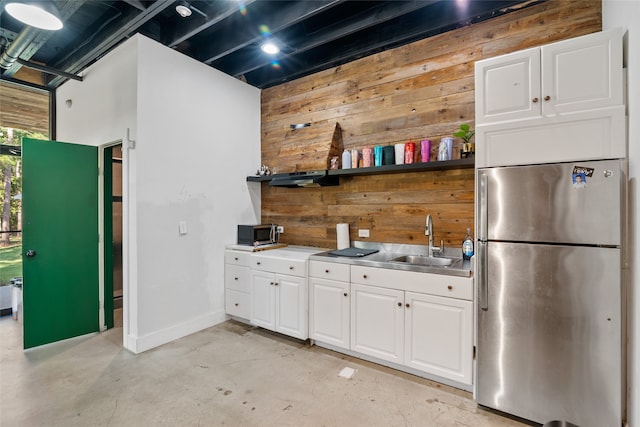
263	299
582	73
438	336
329	311
291	306
377	322
508	87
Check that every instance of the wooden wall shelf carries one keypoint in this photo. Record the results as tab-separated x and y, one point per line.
379	170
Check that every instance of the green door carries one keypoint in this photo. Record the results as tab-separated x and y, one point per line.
60	241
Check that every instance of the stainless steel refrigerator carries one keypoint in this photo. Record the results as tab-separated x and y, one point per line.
549	344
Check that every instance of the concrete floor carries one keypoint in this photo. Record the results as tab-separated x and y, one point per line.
231	374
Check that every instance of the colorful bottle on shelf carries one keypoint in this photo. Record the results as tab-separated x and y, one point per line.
346	159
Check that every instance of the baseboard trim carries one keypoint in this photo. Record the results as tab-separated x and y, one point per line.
172	333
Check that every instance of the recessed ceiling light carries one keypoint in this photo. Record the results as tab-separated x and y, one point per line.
43	15
183	9
270	47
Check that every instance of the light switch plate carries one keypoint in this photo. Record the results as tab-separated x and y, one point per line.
182	228
363	232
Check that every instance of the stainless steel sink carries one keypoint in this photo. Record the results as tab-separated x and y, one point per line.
425	260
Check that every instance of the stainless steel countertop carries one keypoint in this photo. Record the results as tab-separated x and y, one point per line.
389	251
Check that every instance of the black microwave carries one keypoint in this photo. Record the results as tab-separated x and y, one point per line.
256	235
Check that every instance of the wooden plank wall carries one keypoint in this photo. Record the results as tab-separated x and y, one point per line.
24	108
424	89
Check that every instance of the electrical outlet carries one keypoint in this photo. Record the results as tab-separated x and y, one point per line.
182	228
280	229
363	232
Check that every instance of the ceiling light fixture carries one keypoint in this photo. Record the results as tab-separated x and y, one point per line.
184	9
43	15
270	47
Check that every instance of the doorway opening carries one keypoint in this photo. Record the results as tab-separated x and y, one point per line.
113	274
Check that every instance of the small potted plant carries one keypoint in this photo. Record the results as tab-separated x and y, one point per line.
468	147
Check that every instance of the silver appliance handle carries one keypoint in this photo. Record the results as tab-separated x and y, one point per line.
483	285
484	191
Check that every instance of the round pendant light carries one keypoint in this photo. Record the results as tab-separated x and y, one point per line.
43	15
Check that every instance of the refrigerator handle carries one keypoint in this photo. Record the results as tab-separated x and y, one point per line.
483	224
483	286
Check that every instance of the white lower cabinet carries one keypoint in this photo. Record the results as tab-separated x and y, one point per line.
329	299
438	336
237	284
429	332
329	311
377	322
279	302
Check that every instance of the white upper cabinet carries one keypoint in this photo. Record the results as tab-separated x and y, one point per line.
582	74
569	76
508	87
561	102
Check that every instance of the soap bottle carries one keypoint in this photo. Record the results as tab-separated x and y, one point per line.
346	159
467	246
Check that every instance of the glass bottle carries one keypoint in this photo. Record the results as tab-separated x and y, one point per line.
467	246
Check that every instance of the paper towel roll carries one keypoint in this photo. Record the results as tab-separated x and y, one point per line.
342	231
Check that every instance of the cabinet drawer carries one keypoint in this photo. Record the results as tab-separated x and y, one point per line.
330	270
237	258
237	277
237	304
291	267
426	283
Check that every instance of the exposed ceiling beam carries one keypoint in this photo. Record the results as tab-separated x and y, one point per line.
289	16
193	27
306	42
129	25
137	4
49	70
436	18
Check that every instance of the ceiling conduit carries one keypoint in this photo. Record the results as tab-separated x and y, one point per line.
15	49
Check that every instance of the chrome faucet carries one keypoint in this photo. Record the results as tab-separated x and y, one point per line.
428	231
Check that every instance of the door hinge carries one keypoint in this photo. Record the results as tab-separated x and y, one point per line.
474	352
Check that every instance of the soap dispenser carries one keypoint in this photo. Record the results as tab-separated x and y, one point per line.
467	246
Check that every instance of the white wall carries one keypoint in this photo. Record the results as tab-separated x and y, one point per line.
197	137
626	13
99	113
